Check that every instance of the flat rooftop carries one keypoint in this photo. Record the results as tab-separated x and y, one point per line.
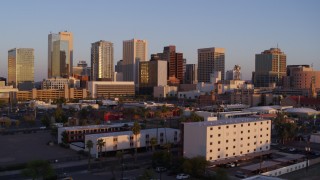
224	122
96	126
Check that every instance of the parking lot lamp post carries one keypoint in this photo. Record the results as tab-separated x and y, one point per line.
307	157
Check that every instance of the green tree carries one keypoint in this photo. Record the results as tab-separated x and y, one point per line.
100	143
153	143
38	169
89	145
64	137
136	131
45	120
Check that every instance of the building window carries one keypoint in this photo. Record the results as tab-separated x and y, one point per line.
261	123
248	131
227	148
248	144
254	149
234	125
147	135
218	149
131	138
241	139
260	142
211	129
227	155
234	147
131	144
210	136
115	139
267	128
267	141
248	137
255	123
267	134
210	143
227	127
218	142
241	125
227	141
255	136
248	124
261	129
219	135
248	151
218	156
241	132
255	143
210	158
219	127
240	152
234	140
260	148
211	150
234	153
261	135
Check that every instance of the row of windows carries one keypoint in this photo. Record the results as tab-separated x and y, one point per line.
219	127
267	141
240	152
219	135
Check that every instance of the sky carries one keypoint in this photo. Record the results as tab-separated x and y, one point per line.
243	27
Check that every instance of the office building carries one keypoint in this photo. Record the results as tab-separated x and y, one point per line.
118	67
152	73
60	54
111	89
102	61
234	74
228	138
270	67
3	81
134	51
301	77
176	64
210	60
21	68
82	69
191	74
59	83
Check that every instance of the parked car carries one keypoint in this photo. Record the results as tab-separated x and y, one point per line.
292	149
161	169
183	176
230	165
240	174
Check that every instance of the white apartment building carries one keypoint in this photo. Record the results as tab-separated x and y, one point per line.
126	140
223	139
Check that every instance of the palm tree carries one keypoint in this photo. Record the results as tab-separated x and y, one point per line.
136	131
153	142
100	144
89	145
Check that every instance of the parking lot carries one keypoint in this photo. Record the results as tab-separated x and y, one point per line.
20	148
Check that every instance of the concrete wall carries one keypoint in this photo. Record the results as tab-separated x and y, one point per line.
287	169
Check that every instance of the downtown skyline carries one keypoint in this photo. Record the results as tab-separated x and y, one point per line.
242	28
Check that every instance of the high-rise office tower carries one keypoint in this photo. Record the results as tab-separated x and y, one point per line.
270	67
210	60
102	60
118	67
234	74
175	63
152	73
60	54
21	68
134	51
191	75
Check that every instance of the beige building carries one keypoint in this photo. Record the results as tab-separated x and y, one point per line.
152	73
301	77
102	61
223	139
60	54
111	89
270	67
52	94
165	91
210	60
21	68
59	83
134	51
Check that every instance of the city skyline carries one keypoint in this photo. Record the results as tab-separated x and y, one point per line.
242	28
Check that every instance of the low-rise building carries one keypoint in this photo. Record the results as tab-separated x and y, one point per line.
165	91
59	83
223	139
111	89
116	141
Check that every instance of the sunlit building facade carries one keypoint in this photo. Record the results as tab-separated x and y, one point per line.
21	68
102	60
134	51
210	60
60	54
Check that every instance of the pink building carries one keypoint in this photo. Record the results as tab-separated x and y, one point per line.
301	76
